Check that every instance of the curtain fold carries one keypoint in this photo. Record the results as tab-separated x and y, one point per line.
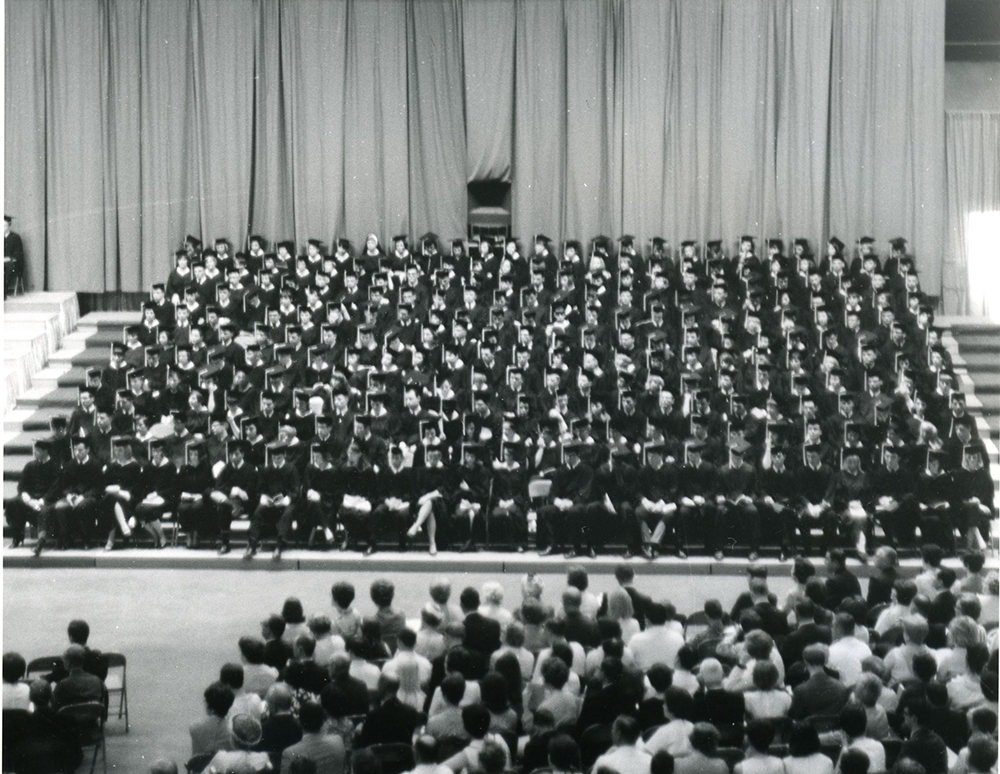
973	159
488	57
437	164
133	122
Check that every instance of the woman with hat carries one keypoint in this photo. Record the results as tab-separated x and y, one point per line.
246	735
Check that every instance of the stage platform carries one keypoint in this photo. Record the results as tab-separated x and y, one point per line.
411	561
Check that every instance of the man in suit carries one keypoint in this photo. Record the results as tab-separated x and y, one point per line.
79	686
821	694
327	752
302	671
571	509
37	491
391	721
344	694
714	704
807	632
579	627
482	634
280	728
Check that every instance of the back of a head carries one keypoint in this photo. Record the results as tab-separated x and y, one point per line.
492	593
974	561
915	629
163	766
440	591
854	761
704	738
514	636
571	599
469	599
40	694
984	721
608	629
14	667
382	592
219	698
713	609
493	692
765	675
625	730
564	753
78	631
343	594
232	675
976	657
305	644
73	656
815	655
292	611
624	573
982	753
660	676
805	609
924	667
932	554
803	740
759	644
276	625
680	703
803	570
320	625
252	649
868	689
946	577
453	688
760	734
555	672
906	590
970	607
492	758
576	577
844	623
279	697
407	639
656	614
853	720
311	716
687	657
757	585
476	720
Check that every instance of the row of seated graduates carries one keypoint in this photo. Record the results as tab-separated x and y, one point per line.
159	389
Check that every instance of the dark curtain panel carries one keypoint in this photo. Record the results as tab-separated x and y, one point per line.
133	122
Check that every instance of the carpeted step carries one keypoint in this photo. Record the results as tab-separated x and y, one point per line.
13	464
980	361
63	397
37	420
104	337
985	382
978	342
110	320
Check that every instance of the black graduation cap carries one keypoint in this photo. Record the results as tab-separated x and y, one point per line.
898	243
541	239
866	240
192	240
837	243
778	243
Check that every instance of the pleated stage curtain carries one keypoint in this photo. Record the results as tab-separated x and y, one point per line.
131	123
972	281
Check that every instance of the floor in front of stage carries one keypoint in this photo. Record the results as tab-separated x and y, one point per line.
178	626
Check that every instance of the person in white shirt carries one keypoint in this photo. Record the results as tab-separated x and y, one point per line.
658	643
626	756
257	676
757	647
430	639
684	676
405	653
847	651
425	752
492	605
903	592
853	722
243	703
899	660
576	577
328	644
926	581
675	736
15	692
514	643
766	700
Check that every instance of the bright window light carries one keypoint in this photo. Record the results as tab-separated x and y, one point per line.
984	264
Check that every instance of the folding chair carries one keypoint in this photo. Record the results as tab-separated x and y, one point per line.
115	683
89	719
43	665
